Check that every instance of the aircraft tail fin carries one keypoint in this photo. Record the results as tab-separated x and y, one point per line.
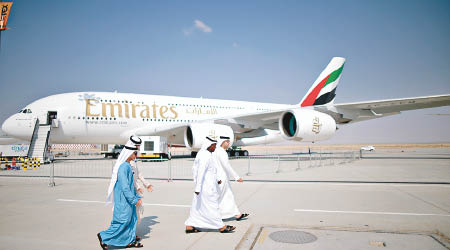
323	90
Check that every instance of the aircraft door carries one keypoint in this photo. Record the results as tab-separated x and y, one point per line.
51	115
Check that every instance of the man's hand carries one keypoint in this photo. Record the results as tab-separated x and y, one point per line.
140	190
219	182
139	202
197	193
240	180
150	188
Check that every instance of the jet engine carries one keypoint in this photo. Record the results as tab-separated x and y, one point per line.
196	133
306	125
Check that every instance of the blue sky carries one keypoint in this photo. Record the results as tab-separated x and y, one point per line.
268	51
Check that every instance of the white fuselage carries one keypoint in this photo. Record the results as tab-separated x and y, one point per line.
103	117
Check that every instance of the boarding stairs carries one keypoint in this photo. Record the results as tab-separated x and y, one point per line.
39	141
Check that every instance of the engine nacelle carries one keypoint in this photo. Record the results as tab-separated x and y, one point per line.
306	125
196	133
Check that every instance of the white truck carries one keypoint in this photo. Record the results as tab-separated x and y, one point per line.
111	150
368	148
154	147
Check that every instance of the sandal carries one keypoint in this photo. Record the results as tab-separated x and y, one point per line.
227	229
193	230
135	245
102	245
242	217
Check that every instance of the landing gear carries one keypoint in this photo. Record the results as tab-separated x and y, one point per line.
237	152
167	156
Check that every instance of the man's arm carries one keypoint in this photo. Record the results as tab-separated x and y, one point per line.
134	168
223	158
201	170
142	179
122	179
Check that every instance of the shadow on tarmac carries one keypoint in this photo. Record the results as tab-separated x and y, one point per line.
144	228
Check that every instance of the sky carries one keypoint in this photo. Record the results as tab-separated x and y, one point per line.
264	51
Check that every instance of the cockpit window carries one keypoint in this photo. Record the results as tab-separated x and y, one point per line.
25	111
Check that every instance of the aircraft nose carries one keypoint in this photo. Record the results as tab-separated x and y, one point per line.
8	125
18	127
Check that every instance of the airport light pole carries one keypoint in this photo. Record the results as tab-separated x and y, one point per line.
52	175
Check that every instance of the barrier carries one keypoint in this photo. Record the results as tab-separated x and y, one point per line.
20	163
254	166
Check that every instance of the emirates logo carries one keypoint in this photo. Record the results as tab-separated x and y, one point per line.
212	134
316	126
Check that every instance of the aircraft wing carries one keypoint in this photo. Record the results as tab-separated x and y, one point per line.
361	111
342	113
174	133
250	122
249	125
254	124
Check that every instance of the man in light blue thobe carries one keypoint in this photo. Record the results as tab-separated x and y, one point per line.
122	231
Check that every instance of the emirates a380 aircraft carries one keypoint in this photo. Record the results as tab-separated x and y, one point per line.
110	118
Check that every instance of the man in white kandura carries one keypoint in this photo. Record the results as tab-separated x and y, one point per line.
205	211
138	176
227	204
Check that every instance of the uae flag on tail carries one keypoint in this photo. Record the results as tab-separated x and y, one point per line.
323	90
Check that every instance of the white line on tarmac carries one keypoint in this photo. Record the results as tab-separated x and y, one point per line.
349	184
362	212
145	204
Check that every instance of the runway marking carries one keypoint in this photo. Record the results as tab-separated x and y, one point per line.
363	212
166	205
145	204
352	184
263	236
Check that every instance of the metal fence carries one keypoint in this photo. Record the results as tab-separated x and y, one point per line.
181	167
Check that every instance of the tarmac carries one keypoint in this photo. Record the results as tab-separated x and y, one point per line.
384	201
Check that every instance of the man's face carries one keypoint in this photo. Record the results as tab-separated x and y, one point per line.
133	156
226	144
212	147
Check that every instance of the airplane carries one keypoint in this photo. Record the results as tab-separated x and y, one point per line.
111	117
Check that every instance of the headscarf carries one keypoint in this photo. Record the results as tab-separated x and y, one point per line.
222	139
130	147
207	142
202	152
